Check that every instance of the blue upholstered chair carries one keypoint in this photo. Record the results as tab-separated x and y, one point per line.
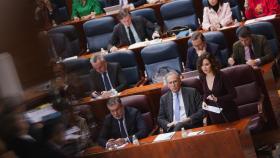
61	45
71	33
179	13
236	12
79	66
63	14
218	38
98	32
164	55
127	60
147	13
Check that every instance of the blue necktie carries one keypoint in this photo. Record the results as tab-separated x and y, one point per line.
106	82
177	108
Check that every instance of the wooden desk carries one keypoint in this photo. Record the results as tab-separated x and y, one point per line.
229	140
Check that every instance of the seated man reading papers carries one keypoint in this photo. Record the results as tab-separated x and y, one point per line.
121	125
131	30
180	106
106	77
251	49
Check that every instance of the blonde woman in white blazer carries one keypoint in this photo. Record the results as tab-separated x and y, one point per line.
216	15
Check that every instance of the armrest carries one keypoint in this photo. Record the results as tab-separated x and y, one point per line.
267	67
141	82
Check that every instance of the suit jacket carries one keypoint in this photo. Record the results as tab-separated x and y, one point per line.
192	102
115	74
261	49
142	26
134	122
192	55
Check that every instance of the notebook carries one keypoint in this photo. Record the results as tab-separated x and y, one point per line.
112	9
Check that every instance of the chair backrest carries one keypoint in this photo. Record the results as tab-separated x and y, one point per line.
63	14
161	55
179	13
128	63
266	29
248	91
218	38
79	66
98	32
139	102
61	44
236	12
71	33
147	13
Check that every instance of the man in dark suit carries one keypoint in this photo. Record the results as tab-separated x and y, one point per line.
180	106
131	30
250	49
200	46
106	76
121	125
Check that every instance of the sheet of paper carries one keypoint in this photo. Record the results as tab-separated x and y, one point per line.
72	136
138	45
195	133
37	115
165	136
71	58
72	130
260	19
212	109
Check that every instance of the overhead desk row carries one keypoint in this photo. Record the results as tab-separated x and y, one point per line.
197	5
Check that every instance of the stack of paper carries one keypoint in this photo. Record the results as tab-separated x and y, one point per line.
165	136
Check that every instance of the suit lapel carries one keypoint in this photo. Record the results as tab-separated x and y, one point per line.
137	29
242	53
256	46
170	105
186	100
125	36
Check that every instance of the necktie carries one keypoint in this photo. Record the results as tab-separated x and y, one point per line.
252	54
177	108
122	130
106	82
132	39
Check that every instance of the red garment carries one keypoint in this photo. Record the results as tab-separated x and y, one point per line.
269	7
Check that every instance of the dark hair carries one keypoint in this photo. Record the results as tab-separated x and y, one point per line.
197	35
123	13
220	2
114	101
215	66
243	31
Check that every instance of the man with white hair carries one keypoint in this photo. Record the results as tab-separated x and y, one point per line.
180	106
106	76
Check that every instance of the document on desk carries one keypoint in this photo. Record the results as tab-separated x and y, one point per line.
212	109
269	17
195	133
165	136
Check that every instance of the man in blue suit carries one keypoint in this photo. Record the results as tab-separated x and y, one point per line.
200	46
